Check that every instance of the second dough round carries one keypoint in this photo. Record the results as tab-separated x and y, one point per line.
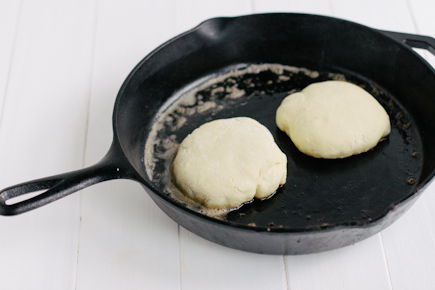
333	119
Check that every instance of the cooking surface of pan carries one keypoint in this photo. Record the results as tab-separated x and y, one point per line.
319	193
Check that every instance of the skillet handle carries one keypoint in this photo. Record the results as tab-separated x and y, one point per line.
413	40
114	165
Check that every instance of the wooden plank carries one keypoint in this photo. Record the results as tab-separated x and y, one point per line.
409	246
362	266
359	266
319	7
126	241
42	133
190	13
386	14
410	243
205	265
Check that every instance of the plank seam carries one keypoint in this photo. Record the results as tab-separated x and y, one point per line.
179	257
411	12
285	274
331	7
93	48
386	261
11	57
415	28
252	6
429	221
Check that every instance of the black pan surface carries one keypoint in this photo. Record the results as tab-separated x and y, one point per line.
318	192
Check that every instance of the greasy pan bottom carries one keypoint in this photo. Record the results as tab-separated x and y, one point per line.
318	193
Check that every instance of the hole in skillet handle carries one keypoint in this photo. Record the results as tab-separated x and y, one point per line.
29	195
25	192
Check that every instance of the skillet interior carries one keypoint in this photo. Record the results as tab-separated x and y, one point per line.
319	194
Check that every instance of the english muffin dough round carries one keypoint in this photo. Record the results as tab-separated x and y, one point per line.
227	162
333	119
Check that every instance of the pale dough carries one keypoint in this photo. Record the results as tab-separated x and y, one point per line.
333	119
227	162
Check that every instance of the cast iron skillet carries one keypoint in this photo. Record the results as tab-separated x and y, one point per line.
325	204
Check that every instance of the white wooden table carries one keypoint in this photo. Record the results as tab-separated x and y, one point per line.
61	65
